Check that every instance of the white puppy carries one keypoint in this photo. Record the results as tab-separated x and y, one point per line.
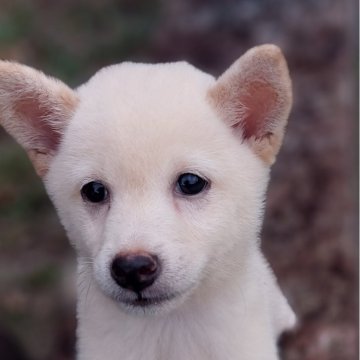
158	173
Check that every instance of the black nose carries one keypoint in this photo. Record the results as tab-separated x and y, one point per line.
135	271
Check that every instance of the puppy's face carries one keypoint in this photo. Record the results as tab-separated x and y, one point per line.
175	182
159	173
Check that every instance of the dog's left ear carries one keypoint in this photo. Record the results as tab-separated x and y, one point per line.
254	97
35	110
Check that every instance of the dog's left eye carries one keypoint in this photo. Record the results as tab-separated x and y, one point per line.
94	192
191	184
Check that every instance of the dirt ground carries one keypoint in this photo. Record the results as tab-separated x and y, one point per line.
310	231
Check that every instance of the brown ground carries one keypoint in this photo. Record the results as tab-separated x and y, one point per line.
310	233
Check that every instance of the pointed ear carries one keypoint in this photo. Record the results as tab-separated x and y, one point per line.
254	97
35	110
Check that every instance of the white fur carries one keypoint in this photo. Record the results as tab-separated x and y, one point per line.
137	128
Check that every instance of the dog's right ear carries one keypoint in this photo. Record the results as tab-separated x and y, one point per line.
35	110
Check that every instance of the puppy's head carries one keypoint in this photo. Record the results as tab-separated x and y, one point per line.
158	172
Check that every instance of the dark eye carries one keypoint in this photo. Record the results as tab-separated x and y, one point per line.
94	192
191	184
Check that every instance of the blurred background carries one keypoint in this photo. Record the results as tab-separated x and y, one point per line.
310	231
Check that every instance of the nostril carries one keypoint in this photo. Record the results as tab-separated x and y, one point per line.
148	269
116	269
135	271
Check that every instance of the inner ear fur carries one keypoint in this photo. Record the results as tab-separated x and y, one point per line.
34	109
254	98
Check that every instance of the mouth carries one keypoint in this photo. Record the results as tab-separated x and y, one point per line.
143	302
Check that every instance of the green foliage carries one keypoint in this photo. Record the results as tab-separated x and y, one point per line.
15	26
72	39
41	278
21	193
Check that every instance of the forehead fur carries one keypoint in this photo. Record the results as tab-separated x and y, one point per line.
138	108
128	78
144	98
144	93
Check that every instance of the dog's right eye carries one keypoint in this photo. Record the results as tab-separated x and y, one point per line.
94	192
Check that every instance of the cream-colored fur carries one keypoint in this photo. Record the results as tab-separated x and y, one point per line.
136	128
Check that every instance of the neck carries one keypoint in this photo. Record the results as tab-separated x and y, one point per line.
225	315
